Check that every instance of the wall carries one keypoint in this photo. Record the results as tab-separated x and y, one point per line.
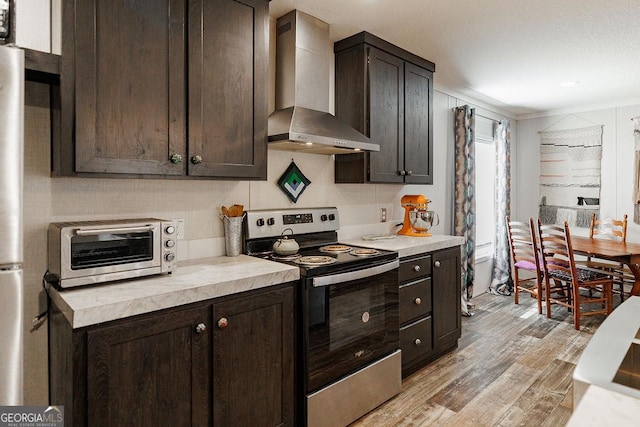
617	174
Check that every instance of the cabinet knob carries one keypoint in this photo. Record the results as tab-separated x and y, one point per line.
437	264
418	301
197	159
409	173
416	268
418	341
223	323
402	173
201	328
175	158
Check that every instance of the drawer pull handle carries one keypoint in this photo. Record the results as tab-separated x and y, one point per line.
418	341
223	323
437	263
416	268
200	328
418	301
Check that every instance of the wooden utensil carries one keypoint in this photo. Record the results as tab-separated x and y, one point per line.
225	211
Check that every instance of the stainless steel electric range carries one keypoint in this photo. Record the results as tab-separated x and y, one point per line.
348	341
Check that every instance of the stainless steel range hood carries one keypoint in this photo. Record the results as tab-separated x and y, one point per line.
301	121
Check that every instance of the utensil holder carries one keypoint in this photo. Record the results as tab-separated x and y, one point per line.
233	235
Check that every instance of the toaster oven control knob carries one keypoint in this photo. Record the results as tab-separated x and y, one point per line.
170	229
201	328
223	323
260	222
332	217
271	221
170	243
169	257
416	268
323	217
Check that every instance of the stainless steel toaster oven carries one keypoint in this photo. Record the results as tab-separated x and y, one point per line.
93	252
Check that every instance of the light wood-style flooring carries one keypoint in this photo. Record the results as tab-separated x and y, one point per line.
513	367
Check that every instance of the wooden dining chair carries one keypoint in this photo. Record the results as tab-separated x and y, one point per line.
615	230
564	280
525	256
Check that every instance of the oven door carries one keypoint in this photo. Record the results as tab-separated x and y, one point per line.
350	320
95	251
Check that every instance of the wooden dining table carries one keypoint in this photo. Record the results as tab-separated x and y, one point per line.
625	253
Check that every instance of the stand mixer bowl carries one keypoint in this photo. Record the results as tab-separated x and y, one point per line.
422	220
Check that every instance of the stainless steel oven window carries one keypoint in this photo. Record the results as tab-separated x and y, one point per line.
95	233
111	248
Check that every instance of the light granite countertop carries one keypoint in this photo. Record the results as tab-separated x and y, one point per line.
406	245
616	404
607	348
193	281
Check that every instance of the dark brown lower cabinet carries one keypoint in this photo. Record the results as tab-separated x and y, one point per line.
224	362
430	322
253	360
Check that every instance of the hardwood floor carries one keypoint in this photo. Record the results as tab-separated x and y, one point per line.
513	367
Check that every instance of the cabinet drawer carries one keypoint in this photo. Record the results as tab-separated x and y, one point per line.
415	340
415	300
414	268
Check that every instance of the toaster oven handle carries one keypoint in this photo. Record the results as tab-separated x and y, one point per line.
94	231
334	279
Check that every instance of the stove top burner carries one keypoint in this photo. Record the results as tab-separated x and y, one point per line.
336	249
284	257
364	252
316	260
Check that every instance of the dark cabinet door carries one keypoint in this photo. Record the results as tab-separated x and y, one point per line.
227	88
124	84
154	371
418	116
253	360
446	297
386	115
386	93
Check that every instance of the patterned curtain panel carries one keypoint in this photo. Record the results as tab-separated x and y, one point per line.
636	182
465	201
570	162
501	282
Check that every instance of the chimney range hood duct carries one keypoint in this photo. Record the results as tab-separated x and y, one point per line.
301	121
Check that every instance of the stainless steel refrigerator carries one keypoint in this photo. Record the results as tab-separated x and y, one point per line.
11	174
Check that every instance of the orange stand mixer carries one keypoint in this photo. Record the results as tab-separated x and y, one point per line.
417	219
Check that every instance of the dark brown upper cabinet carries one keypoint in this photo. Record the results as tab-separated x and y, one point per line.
163	88
386	93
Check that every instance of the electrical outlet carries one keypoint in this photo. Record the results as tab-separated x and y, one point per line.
180	228
383	214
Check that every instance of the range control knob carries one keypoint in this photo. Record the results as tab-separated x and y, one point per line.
170	243
170	229
169	257
323	217
271	221
260	222
332	217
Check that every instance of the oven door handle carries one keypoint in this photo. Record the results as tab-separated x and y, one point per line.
335	279
96	231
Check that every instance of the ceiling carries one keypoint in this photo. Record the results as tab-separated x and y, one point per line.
510	54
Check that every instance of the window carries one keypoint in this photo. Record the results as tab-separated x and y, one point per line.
485	187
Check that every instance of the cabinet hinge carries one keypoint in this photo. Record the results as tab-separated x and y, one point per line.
368	59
